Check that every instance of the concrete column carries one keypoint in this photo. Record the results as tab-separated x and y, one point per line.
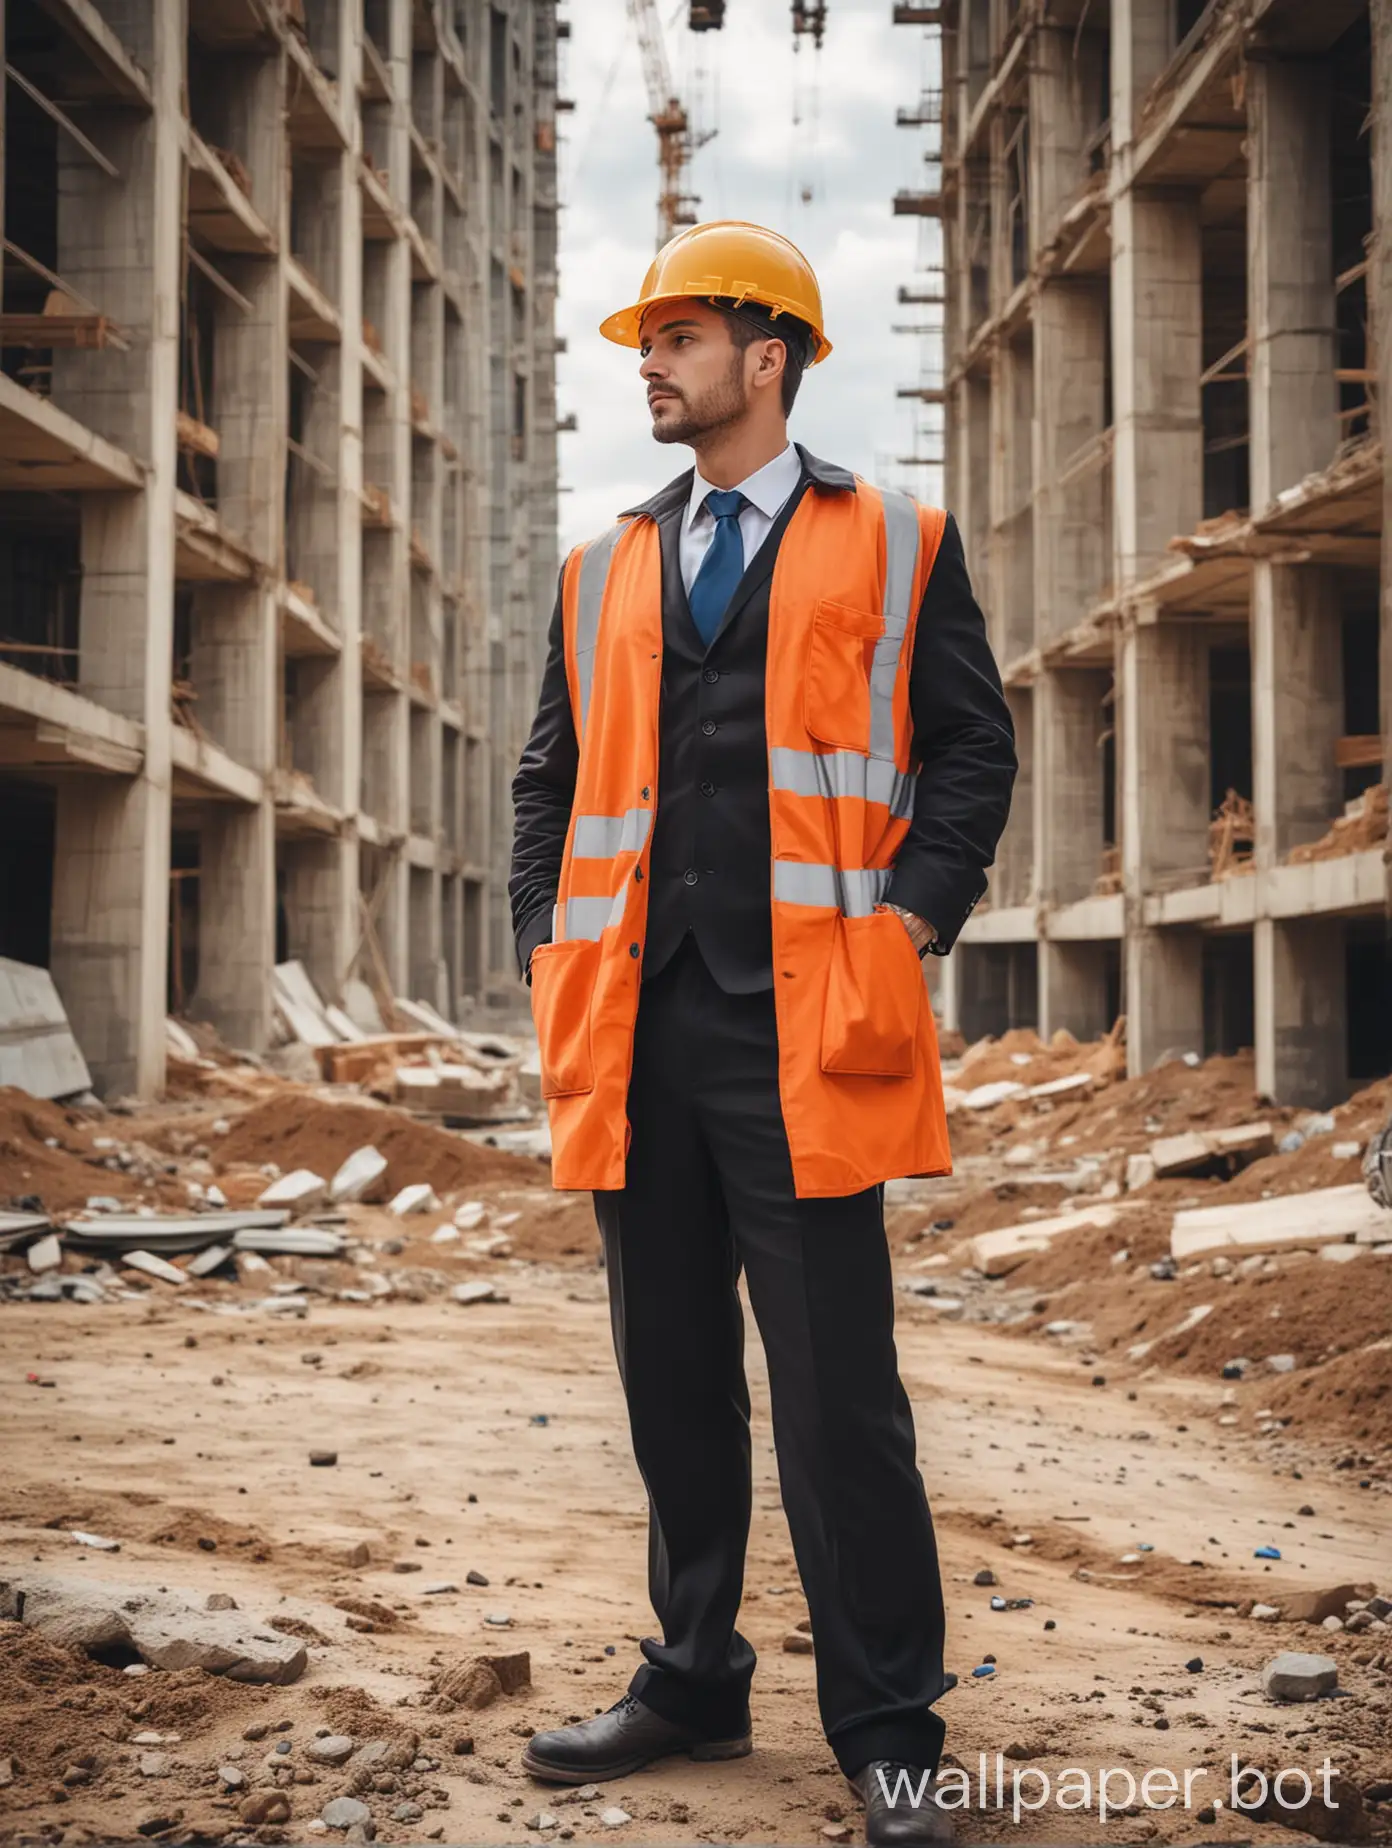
1069	791
983	989
1301	1011
1297	715
1293	394
319	875
1011	573
1162	723
1142	41
1157	346
1065	83
1165	753
1380	303
1072	989
427	970
1297	705
236	923
234	668
1013	876
321	908
973	504
119	243
1164	996
1070	524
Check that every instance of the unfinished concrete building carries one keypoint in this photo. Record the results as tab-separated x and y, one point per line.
1165	453
277	498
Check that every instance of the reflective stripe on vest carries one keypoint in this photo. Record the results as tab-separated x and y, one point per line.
844	773
601	837
901	562
854	891
594	574
588	917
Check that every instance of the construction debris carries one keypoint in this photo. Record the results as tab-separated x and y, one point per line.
45	1254
298	1191
418	1198
1217	1151
164	1631
457	1093
19	1228
1362	825
1232	837
1328	1216
997	1253
357	1177
152	1266
1294	1675
169	1234
37	1050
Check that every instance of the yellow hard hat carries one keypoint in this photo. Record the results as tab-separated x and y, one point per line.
736	261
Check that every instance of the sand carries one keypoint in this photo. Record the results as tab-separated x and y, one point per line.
433	1411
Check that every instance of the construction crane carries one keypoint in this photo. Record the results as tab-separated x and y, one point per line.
809	20
676	141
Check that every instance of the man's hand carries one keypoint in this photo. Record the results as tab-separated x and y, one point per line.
921	932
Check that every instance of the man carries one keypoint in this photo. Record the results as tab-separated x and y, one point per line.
770	763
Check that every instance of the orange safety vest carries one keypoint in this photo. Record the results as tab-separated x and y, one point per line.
859	1080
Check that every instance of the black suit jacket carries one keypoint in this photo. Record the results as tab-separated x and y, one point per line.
711	846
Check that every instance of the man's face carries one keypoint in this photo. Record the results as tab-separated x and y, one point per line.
697	378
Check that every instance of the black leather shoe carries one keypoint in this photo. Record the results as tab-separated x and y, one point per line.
909	1815
624	1739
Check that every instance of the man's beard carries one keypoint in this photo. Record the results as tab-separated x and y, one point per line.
722	404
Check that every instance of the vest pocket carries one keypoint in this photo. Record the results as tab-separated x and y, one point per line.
874	992
563	980
836	683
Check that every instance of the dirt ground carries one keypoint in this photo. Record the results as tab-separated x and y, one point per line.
186	1437
1107	1473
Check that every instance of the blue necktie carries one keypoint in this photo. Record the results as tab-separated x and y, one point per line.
723	565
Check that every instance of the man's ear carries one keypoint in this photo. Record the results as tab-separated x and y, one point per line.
773	356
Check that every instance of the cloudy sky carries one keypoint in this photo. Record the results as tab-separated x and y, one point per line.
844	150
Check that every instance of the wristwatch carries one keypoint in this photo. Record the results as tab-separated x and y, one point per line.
921	932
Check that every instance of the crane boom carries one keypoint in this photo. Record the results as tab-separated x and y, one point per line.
667	113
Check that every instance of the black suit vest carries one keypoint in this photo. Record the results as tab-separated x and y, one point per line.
711	846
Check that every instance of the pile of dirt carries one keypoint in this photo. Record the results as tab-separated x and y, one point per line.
1296	1304
1021	1057
61	1177
59	1710
299	1130
1126	1117
1350	1395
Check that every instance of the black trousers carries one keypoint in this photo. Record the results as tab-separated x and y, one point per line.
710	1191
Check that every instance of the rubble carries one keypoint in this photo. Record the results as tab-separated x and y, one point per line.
38	1053
420	1197
1328	1215
1295	1676
164	1631
149	1265
45	1254
357	1176
1221	1150
996	1253
298	1191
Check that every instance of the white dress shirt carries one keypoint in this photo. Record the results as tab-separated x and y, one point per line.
766	491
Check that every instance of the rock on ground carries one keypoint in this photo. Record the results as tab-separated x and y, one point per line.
1294	1675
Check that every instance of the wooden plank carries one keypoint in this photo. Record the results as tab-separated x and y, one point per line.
1358	751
